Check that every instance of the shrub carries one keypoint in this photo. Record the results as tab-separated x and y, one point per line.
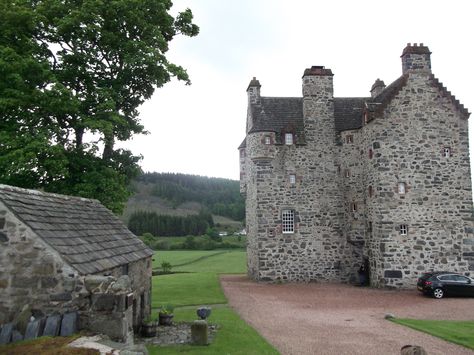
166	267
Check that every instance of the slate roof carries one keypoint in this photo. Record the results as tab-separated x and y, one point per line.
279	114
348	112
86	234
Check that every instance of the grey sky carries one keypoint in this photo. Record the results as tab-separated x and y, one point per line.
196	129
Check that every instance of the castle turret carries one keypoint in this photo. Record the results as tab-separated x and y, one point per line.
377	88
253	91
416	58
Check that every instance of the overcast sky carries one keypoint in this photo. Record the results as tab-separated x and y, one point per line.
196	129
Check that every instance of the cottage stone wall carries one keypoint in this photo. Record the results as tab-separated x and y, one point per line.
34	274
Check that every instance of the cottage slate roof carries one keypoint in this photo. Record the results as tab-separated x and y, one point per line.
86	234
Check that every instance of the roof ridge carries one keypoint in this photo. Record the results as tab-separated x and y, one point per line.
45	194
450	96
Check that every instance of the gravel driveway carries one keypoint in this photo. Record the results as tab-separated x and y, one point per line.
341	319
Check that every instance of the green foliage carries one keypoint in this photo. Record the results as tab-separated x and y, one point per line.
141	222
166	309
166	267
458	332
221	196
72	76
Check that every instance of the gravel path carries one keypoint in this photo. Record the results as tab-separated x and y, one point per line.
341	319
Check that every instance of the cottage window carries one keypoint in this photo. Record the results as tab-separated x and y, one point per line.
288	221
268	140
401	188
288	138
447	152
292	179
403	229
349	139
125	269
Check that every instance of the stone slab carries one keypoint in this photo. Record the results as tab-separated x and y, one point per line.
33	329
6	333
16	336
69	324
53	325
199	333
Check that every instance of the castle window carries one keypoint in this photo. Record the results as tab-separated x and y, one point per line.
349	139
369	227
371	153
288	221
288	138
371	191
292	179
354	206
403	229
447	152
268	140
347	173
401	188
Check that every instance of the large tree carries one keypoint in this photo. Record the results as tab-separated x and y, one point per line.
72	75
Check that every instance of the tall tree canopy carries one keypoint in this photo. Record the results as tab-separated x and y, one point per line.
72	75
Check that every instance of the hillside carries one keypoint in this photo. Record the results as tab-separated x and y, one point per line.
183	195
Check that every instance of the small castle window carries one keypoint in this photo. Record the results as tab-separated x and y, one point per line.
401	188
242	153
288	138
292	179
371	191
349	139
347	173
354	206
403	229
371	153
447	152
268	140
288	221
369	227
366	117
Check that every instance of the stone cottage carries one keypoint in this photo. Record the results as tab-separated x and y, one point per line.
62	253
335	182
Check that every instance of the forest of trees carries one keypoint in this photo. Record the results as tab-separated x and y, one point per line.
149	222
219	196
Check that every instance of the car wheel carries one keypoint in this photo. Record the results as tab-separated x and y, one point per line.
438	293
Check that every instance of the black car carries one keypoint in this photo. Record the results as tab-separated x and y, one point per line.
440	284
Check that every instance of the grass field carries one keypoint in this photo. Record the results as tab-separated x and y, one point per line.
200	286
458	332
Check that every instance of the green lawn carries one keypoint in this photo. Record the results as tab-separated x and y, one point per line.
458	332
187	289
179	257
234	336
229	262
201	287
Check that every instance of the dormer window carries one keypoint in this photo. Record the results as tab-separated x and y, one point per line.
349	139
447	152
288	138
268	140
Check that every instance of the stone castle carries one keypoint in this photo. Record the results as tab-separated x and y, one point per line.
332	183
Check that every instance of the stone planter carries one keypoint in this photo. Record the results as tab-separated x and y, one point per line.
165	319
148	330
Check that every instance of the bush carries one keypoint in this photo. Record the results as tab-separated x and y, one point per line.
166	267
162	245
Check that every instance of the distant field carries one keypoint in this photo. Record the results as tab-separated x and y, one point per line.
179	257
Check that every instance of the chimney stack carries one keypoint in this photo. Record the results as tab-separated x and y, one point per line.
416	59
253	91
377	88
